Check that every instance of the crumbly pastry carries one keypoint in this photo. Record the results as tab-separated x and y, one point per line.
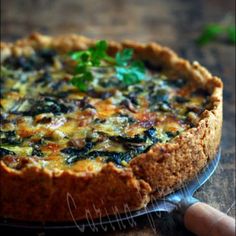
68	154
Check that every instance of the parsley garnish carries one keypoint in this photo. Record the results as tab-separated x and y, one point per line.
213	31
126	70
123	57
231	31
85	61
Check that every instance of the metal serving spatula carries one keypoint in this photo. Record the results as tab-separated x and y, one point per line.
197	217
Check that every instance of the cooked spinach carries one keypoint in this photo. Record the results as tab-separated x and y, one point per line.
47	55
181	100
135	145
37	61
172	134
117	157
159	100
74	154
151	133
56	85
44	79
135	139
133	98
84	104
33	107
48	105
37	152
159	96
9	138
5	152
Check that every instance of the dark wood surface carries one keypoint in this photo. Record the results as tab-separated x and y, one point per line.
173	23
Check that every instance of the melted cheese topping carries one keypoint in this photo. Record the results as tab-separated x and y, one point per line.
47	121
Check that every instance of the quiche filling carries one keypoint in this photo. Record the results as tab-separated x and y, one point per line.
47	121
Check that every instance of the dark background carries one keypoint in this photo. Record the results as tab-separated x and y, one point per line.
175	23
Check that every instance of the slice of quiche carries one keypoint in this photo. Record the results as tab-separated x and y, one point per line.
95	128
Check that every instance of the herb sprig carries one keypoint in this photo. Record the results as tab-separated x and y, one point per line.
212	32
126	70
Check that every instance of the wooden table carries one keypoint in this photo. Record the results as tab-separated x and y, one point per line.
173	23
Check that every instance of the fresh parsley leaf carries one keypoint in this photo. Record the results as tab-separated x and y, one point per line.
79	55
82	81
128	75
85	60
101	46
138	65
127	71
210	33
92	56
123	57
132	74
98	52
213	31
231	31
80	68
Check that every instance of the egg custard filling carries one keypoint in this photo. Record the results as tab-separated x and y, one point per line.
66	111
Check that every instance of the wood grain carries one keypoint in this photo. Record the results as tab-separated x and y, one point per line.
205	220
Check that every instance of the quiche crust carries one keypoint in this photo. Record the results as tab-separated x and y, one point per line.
35	193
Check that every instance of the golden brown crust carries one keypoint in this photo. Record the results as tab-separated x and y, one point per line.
44	195
35	193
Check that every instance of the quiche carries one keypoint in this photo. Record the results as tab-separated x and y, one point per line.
93	128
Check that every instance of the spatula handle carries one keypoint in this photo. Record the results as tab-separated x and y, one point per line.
204	220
